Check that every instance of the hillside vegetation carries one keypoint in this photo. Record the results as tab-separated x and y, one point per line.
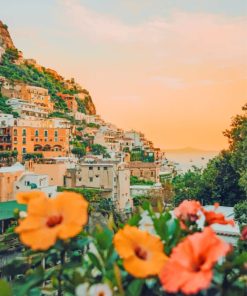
30	75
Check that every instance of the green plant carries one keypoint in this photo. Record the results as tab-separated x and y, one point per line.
28	156
29	74
136	181
240	212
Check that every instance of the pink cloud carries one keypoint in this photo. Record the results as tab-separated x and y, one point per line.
189	37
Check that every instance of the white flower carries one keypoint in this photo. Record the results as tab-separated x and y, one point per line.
82	290
22	214
100	290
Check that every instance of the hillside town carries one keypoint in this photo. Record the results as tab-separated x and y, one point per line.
91	209
47	146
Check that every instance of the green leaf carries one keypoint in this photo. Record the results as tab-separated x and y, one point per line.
95	260
5	288
104	238
134	220
30	281
135	288
160	225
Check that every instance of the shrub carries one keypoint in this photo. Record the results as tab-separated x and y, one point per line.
240	212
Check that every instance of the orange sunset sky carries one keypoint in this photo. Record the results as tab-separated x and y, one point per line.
176	70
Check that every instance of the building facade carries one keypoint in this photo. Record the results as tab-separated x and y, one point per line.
145	170
51	142
8	177
108	176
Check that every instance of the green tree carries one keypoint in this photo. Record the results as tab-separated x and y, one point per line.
237	137
240	212
187	185
98	149
79	151
221	181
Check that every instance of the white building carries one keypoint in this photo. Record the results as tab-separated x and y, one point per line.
145	190
29	181
6	120
24	108
227	232
136	137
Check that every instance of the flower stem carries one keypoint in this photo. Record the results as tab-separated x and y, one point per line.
62	259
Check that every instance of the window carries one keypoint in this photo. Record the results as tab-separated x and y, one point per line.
98	168
90	168
46	133
141	173
15	132
152	174
24	150
105	168
79	179
36	133
24	132
56	133
24	141
91	179
56	139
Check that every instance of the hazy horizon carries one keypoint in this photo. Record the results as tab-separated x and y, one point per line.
173	70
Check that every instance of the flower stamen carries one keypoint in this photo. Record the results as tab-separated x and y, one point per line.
54	221
140	253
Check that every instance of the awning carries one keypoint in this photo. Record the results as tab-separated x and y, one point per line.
7	209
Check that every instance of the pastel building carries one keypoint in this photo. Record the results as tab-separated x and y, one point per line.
50	142
70	100
145	170
24	108
8	177
31	94
30	181
109	176
54	168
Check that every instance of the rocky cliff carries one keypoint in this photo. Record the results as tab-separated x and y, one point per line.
5	38
14	67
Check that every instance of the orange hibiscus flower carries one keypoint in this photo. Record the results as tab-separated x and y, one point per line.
26	197
47	220
188	210
189	269
211	217
142	252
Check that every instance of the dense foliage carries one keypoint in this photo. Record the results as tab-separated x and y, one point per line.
224	180
98	149
136	181
133	258
137	154
28	156
79	151
240	212
4	107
